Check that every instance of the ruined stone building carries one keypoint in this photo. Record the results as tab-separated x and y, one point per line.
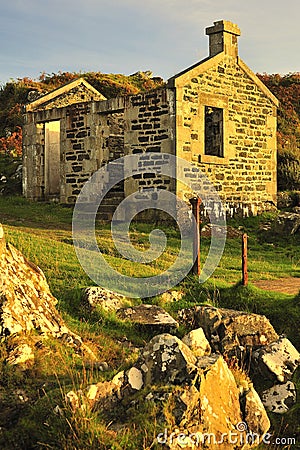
216	114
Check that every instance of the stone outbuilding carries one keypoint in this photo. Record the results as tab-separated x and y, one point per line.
216	114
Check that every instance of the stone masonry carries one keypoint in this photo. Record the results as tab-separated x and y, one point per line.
245	175
217	115
149	132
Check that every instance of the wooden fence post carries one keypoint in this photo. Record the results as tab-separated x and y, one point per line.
195	202
244	259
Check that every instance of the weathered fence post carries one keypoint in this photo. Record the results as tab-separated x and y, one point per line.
196	202
244	259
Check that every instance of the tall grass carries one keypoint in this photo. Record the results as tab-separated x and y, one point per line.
43	233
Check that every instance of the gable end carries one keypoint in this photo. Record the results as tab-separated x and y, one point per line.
77	91
258	82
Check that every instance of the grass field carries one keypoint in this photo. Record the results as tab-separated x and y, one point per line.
43	232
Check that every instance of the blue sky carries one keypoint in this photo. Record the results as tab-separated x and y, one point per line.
165	36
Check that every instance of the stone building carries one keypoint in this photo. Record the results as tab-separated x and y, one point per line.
216	114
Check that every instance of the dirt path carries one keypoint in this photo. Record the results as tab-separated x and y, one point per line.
285	285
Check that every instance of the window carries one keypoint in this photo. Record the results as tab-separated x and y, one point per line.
214	142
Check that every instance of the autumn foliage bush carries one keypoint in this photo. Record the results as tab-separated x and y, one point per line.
10	162
288	171
287	89
11	145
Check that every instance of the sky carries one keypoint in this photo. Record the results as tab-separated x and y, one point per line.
126	36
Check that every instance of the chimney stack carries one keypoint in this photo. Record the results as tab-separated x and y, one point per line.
223	38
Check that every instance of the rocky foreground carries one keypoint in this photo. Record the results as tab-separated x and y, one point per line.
202	396
27	308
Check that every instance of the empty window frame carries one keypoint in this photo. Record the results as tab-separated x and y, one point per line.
214	136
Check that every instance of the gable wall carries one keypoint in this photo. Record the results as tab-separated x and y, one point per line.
246	176
78	94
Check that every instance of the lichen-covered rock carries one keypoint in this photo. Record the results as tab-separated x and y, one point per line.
228	331
277	360
72	399
287	223
100	396
171	296
2	241
255	414
196	400
210	414
26	303
279	398
22	354
220	406
107	300
166	359
135	378
197	342
152	317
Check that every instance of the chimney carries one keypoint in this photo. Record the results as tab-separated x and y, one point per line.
223	38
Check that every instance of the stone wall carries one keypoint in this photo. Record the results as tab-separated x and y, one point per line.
217	115
76	151
172	121
245	177
33	143
94	137
91	135
149	132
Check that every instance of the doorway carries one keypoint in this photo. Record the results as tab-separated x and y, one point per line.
52	159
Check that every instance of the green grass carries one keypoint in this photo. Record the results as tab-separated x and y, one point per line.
43	233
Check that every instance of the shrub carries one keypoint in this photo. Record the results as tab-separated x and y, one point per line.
289	170
10	162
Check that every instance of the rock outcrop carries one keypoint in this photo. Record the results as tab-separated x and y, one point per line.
200	399
230	332
97	296
171	296
251	340
166	358
279	398
197	342
27	306
196	399
288	222
151	317
278	360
